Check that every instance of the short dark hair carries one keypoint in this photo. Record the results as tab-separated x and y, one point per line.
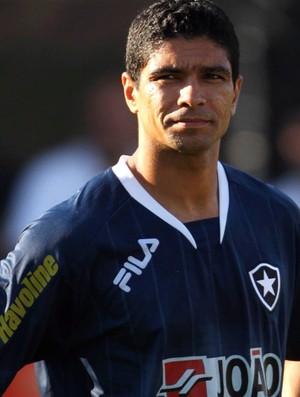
170	19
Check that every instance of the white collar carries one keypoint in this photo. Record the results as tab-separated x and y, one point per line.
136	190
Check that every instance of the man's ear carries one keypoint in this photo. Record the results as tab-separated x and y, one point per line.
130	92
237	91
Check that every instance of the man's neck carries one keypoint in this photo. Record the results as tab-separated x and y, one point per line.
187	186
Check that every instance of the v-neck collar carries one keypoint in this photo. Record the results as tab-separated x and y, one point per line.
136	190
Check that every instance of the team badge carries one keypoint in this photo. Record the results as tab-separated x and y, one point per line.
266	282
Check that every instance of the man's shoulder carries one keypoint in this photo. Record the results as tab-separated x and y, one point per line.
101	194
77	221
258	191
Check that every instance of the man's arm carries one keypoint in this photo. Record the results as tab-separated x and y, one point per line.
291	379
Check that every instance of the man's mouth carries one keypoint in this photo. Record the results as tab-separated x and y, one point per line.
195	122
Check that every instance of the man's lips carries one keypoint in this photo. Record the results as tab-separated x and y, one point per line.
191	121
188	119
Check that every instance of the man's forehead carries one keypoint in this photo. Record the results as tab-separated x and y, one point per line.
181	52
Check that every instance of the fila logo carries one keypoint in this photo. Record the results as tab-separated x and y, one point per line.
134	265
266	282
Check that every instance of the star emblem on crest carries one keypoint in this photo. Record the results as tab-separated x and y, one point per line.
266	282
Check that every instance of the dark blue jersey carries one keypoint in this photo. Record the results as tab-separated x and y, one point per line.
114	296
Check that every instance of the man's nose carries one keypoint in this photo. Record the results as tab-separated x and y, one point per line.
191	95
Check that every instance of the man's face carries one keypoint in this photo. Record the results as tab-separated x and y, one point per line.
185	96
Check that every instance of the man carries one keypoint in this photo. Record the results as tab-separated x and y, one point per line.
169	274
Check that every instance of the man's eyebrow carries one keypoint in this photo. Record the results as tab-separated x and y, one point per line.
165	70
203	69
216	69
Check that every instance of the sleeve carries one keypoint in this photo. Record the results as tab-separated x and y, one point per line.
34	299
293	342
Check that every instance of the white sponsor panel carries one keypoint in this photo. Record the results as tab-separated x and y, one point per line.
234	376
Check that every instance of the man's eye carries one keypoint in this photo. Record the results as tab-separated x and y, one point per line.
168	77
212	76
